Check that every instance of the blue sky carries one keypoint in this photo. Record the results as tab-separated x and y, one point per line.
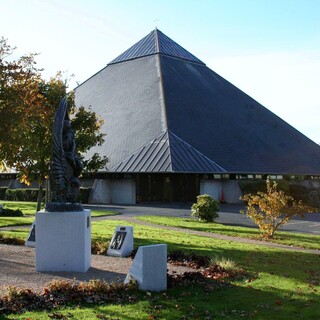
270	49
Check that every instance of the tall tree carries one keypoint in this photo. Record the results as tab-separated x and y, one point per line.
27	107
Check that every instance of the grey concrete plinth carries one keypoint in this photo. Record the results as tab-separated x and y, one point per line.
63	241
149	268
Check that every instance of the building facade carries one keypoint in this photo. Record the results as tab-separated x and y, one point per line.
176	129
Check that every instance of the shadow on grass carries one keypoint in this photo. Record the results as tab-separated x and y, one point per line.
275	262
92	273
283	237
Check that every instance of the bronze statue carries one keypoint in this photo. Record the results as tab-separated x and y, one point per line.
65	165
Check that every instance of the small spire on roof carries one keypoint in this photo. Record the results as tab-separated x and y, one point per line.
155	22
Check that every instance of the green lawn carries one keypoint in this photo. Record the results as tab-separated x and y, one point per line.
29	209
302	240
288	285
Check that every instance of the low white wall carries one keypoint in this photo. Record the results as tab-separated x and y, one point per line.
101	191
212	188
113	191
123	191
231	190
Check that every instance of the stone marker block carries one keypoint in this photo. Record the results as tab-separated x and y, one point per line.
63	241
149	268
31	240
121	244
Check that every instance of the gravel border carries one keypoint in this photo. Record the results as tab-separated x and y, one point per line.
17	268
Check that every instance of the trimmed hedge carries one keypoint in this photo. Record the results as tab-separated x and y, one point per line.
31	194
254	186
22	194
3	193
10	213
308	195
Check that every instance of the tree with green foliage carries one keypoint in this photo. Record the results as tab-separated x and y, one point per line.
205	209
272	209
27	107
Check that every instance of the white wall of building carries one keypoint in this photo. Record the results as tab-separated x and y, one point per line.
230	189
113	191
101	191
123	191
212	188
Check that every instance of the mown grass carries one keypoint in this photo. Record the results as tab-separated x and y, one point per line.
303	240
287	287
29	210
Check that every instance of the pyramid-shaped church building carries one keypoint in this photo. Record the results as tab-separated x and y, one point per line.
176	129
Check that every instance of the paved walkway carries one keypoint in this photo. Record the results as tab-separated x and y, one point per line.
17	265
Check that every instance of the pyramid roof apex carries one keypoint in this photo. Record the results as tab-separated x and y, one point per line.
156	42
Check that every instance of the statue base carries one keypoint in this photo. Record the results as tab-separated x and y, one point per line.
63	207
63	241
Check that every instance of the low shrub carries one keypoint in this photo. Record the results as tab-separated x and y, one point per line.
100	247
3	193
10	213
272	209
84	194
205	209
225	263
11	240
252	186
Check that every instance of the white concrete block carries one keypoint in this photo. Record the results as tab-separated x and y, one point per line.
149	268
63	241
121	244
31	239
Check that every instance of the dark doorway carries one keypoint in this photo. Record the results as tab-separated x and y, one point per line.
167	187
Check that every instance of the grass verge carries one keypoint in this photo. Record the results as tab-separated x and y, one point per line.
302	240
29	210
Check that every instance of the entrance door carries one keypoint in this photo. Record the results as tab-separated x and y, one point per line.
167	187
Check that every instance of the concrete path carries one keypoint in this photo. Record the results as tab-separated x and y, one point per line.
132	219
17	265
229	214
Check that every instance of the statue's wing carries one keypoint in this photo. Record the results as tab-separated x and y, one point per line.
58	169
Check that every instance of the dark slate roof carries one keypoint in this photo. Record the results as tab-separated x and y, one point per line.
168	153
156	42
203	116
229	127
128	97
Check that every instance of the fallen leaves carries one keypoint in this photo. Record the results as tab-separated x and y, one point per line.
60	292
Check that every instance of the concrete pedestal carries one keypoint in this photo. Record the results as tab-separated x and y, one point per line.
149	268
63	241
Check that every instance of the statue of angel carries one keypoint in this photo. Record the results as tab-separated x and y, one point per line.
65	165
